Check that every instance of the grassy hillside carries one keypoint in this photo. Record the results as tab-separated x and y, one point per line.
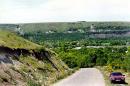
24	63
62	26
11	40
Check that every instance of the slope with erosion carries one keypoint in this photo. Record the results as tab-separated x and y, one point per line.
24	63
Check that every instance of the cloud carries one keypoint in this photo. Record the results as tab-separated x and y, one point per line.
64	10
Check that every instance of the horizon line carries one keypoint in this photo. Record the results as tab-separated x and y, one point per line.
60	22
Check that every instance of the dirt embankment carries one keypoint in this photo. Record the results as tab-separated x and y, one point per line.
21	67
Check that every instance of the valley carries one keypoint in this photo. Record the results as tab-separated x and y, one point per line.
51	51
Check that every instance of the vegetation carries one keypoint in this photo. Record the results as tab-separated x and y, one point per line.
89	57
78	44
80	39
11	40
113	37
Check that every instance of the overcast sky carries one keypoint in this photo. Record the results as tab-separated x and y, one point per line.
20	11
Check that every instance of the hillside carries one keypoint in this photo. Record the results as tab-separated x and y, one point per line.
11	40
63	26
88	33
24	63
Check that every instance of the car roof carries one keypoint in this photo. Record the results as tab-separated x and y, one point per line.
116	73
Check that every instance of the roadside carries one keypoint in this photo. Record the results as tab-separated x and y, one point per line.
71	72
83	77
106	73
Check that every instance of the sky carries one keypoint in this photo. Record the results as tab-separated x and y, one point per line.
27	11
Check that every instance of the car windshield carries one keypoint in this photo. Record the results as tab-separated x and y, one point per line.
116	74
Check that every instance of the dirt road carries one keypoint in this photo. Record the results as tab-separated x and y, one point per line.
83	77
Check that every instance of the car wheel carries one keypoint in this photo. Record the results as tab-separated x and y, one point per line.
112	81
123	81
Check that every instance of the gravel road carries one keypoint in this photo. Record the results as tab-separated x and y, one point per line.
83	77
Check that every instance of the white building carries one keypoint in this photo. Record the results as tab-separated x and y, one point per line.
92	28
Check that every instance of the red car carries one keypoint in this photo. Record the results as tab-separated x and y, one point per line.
117	77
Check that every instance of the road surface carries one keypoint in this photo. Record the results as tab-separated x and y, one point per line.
83	77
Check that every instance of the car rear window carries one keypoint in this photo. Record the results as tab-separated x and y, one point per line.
116	74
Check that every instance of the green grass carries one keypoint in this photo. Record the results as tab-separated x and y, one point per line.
11	40
34	63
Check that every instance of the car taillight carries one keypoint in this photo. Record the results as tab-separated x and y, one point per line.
123	77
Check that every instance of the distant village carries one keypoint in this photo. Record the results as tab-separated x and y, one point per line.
19	30
75	30
92	28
